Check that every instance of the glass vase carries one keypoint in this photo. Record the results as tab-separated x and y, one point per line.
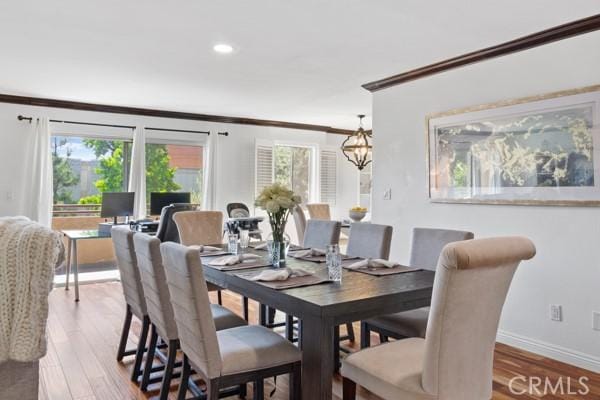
278	248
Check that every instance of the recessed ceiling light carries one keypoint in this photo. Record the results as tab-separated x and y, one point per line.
223	48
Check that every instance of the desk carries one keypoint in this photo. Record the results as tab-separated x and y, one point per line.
322	307
73	236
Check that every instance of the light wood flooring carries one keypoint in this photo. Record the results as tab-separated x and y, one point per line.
83	338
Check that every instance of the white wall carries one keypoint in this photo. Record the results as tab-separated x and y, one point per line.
566	268
235	169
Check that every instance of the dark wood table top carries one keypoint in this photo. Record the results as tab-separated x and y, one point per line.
358	296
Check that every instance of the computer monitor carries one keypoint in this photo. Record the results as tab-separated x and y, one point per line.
160	200
118	204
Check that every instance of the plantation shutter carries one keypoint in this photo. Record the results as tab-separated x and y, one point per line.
328	176
264	165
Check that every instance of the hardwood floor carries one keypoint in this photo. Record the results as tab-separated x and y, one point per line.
81	361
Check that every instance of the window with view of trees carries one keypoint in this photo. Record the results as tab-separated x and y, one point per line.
84	168
292	168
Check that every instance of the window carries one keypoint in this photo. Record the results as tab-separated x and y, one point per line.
175	168
310	173
292	168
83	168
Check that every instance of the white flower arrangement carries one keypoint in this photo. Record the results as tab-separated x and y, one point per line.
278	201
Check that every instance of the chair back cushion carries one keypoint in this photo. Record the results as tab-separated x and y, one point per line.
320	233
191	305
471	283
369	240
167	230
319	211
427	244
154	282
199	227
300	222
122	238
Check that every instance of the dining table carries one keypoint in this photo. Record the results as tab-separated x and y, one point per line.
322	307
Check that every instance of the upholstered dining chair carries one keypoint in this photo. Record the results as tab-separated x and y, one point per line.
300	223
320	233
427	244
455	360
228	357
122	238
160	311
365	241
319	211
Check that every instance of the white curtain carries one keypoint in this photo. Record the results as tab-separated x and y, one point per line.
40	208
137	172
210	163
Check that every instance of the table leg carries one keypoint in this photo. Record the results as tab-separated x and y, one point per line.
317	358
75	270
68	265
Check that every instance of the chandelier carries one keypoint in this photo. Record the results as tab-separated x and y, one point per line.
357	147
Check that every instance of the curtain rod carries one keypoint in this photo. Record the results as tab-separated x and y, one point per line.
22	118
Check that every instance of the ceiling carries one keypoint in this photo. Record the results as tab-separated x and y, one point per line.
294	60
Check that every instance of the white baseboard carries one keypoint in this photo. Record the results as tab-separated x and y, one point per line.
549	350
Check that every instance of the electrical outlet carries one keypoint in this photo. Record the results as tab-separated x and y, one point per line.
555	312
387	195
596	320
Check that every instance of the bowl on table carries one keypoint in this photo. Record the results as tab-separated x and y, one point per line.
357	215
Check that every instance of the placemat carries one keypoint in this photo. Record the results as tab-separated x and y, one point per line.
320	259
256	263
214	253
293	247
293	282
381	271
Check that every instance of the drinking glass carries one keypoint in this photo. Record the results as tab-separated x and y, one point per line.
232	243
244	239
333	259
274	252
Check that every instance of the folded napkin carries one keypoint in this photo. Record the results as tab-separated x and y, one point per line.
205	249
309	253
233	260
279	274
372	263
262	246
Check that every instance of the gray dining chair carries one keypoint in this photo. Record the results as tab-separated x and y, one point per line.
365	241
300	223
320	233
228	357
427	244
122	239
455	359
160	311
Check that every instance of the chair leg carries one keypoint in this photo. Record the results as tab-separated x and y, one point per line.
349	389
289	327
149	360
262	314
365	335
383	338
168	374
139	354
350	331
124	334
185	375
295	384
259	390
245	307
300	334
219	297
336	349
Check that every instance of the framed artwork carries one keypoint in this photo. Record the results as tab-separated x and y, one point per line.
541	150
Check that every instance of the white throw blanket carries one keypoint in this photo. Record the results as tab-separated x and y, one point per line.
233	260
29	253
373	263
269	275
